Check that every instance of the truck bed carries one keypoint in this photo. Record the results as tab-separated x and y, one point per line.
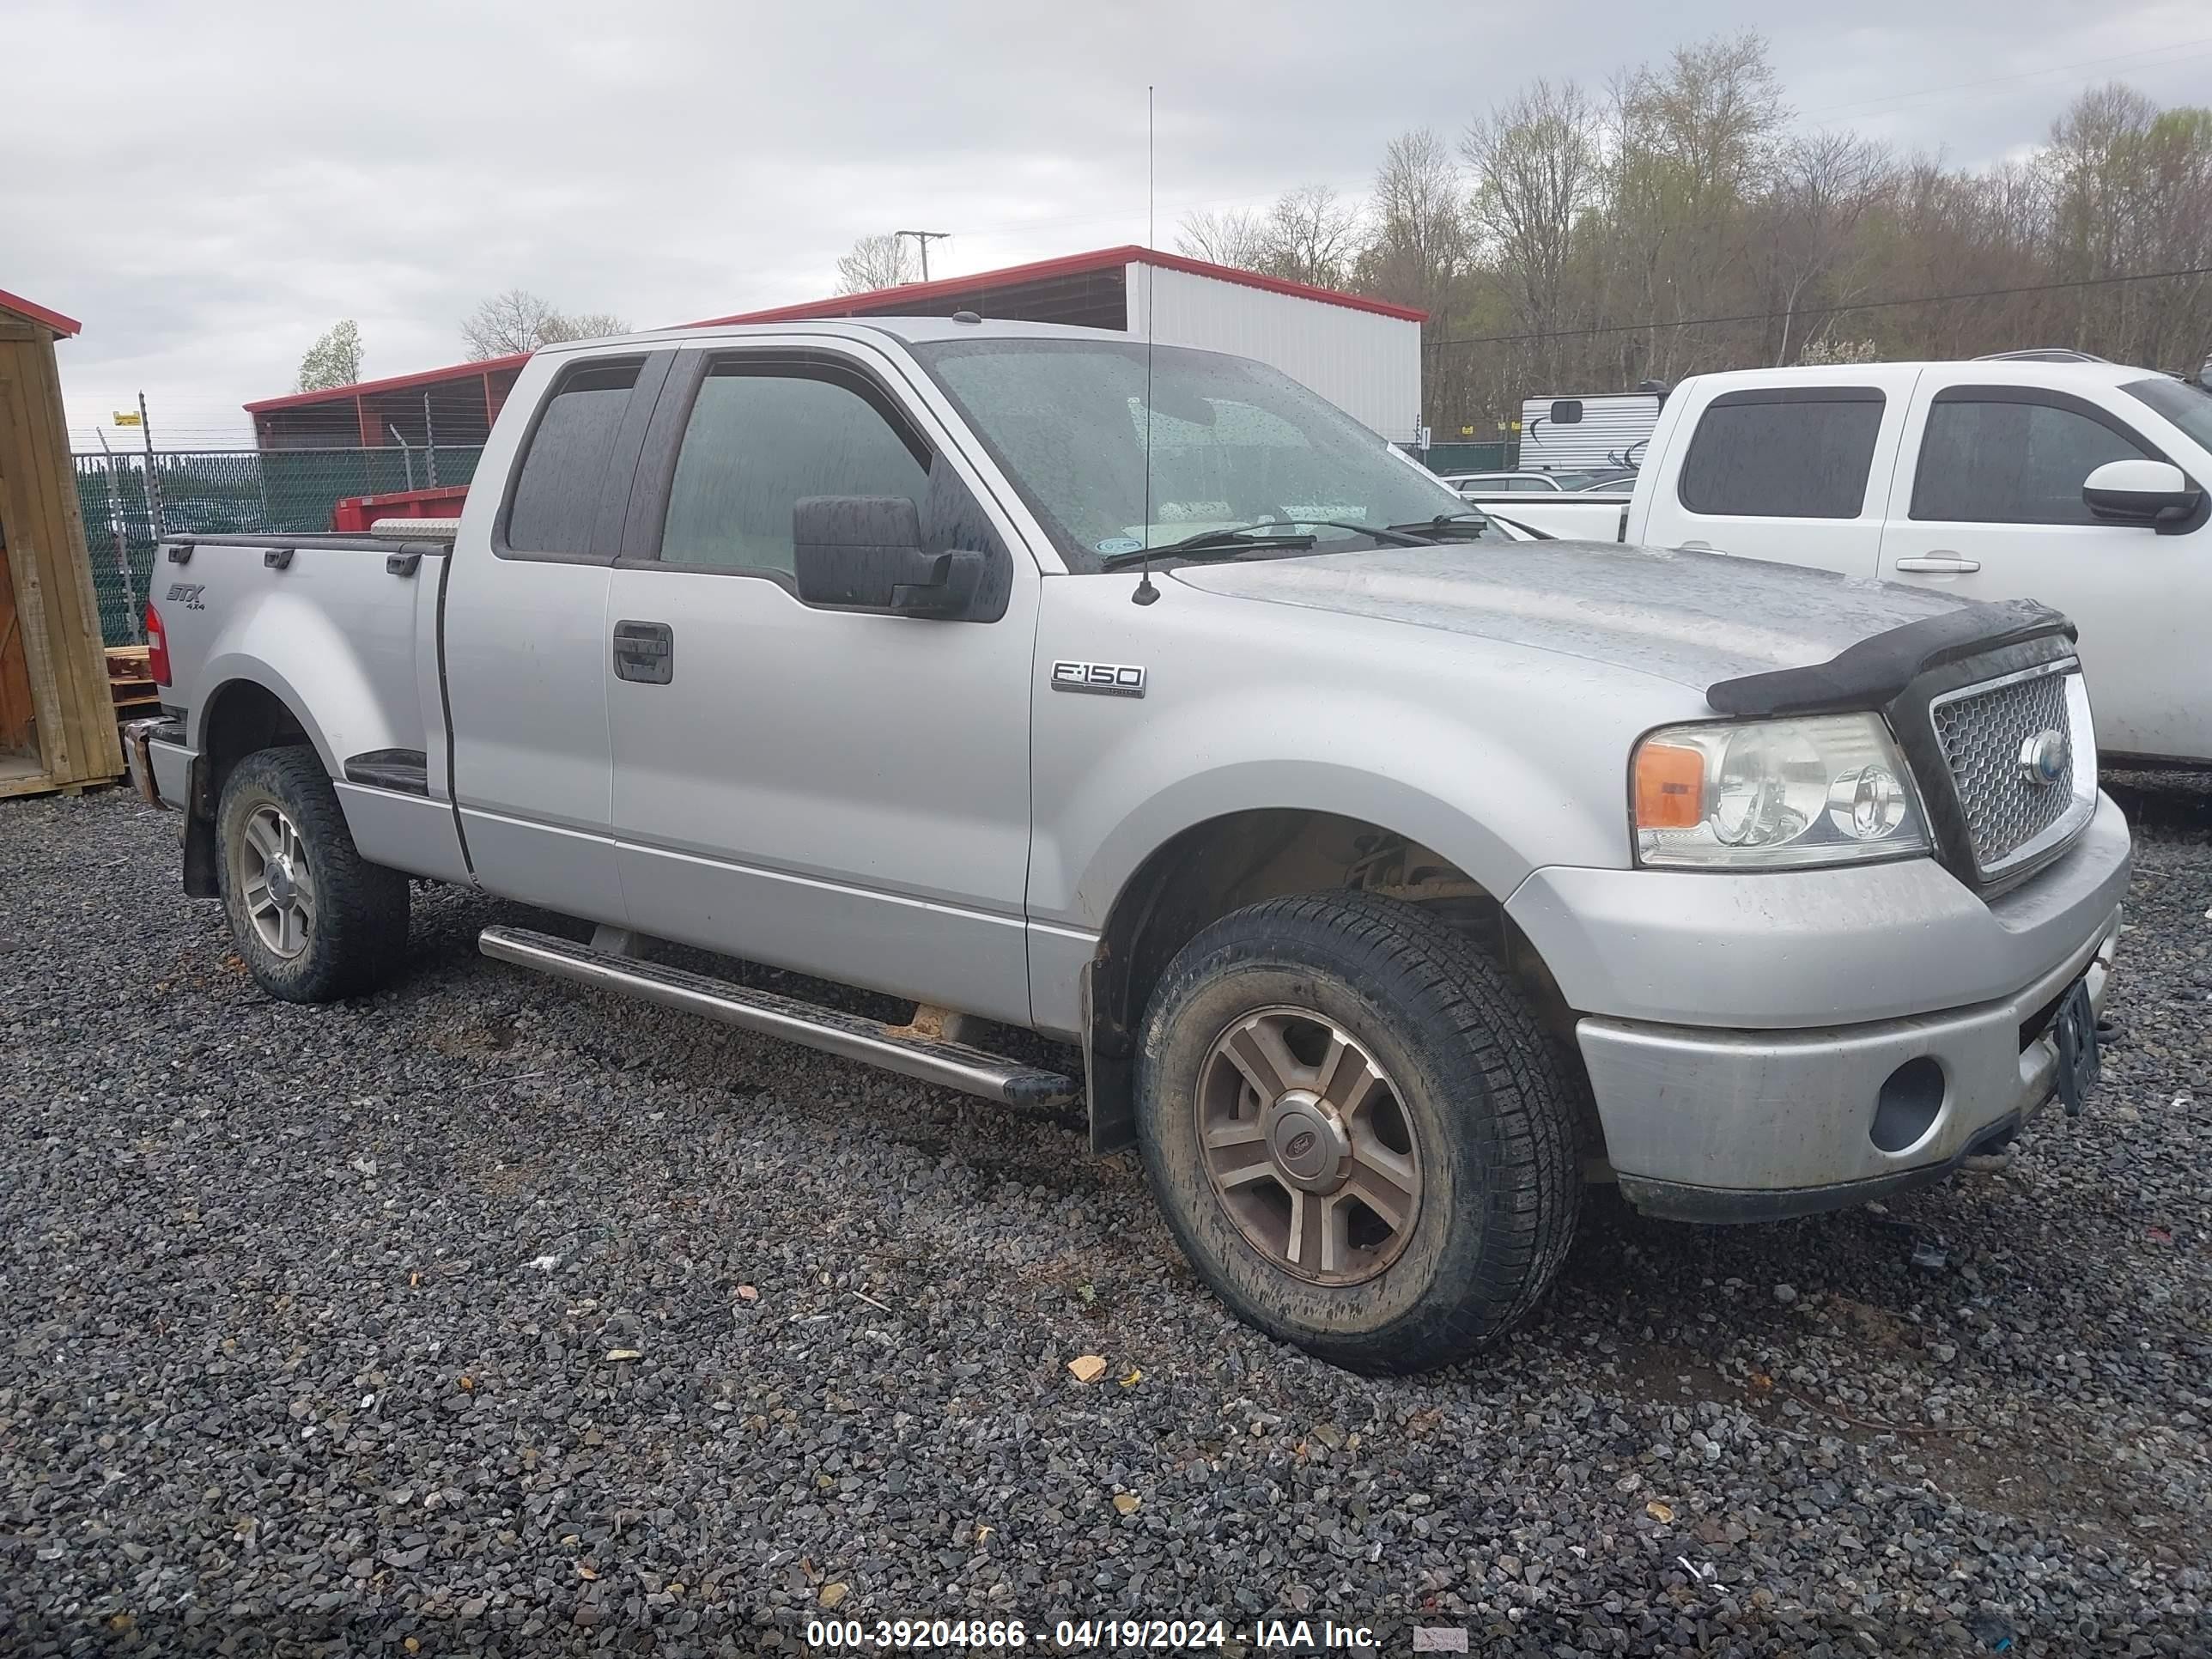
1570	518
342	630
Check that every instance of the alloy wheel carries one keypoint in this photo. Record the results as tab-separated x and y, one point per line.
1310	1150
269	868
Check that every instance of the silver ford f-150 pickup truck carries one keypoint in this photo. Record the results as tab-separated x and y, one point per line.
1394	879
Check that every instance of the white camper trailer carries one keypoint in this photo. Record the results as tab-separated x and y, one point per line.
1608	429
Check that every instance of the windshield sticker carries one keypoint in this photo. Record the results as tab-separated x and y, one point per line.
1119	544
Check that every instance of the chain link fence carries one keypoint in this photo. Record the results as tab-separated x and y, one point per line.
236	492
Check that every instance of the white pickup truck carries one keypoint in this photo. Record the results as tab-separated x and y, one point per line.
2079	484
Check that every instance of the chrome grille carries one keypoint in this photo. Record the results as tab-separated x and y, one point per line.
2011	816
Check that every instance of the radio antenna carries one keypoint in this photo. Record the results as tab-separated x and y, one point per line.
1147	593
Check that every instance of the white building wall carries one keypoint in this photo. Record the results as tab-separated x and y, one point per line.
1367	364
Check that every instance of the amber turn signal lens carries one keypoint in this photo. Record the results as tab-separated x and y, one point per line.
1670	787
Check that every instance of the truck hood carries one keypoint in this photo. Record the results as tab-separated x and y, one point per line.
1693	619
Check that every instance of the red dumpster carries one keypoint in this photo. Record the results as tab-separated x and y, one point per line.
355	514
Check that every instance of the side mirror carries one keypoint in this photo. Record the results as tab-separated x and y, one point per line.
864	553
2141	492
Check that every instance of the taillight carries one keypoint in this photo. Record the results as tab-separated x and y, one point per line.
157	646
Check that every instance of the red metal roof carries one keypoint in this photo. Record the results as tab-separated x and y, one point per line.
394	383
1074	265
65	326
892	300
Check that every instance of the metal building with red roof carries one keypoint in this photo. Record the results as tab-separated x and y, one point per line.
1363	355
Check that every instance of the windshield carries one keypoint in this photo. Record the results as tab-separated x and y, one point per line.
2188	407
1233	442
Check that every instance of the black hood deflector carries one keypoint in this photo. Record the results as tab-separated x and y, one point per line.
1873	672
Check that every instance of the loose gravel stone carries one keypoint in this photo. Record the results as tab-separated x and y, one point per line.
306	1317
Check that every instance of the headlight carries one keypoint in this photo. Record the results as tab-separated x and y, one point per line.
1768	794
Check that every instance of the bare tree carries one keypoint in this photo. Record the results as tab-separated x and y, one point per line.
1693	146
2131	190
518	321
1537	163
1716	113
1234	236
875	262
334	359
1824	186
507	325
582	325
1421	241
1311	236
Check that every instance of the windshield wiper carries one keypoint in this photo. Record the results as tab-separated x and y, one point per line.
1263	533
1472	523
1228	540
1395	534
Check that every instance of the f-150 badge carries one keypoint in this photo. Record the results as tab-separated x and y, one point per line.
1107	679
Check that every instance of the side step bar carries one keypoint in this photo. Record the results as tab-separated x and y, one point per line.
954	1064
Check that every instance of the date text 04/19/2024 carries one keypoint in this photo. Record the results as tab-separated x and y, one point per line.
1081	1635
1266	1635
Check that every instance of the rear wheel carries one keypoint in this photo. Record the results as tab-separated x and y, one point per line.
313	920
1357	1130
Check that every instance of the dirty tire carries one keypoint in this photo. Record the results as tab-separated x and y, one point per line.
359	932
1490	1102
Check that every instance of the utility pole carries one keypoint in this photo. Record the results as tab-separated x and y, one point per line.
922	238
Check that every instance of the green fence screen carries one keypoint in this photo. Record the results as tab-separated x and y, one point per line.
1468	457
239	492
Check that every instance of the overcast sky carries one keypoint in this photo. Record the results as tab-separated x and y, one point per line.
209	187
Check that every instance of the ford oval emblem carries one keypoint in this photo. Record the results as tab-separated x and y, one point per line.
2043	757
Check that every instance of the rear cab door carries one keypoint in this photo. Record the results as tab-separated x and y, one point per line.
1987	504
1792	464
525	637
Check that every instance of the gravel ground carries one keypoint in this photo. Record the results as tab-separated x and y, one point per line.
314	1319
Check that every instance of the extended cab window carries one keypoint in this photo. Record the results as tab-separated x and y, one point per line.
2004	461
1797	453
558	491
763	436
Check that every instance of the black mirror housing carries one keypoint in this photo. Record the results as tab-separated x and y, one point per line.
864	553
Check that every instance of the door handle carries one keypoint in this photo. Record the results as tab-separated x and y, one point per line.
1696	547
644	652
1942	564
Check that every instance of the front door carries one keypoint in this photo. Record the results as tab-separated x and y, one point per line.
838	791
1992	509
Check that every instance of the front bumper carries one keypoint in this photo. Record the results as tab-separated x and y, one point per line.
1739	1030
1750	1126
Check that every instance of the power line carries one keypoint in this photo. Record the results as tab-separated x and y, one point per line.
1817	311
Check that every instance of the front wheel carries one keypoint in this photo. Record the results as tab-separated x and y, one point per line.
313	920
1358	1129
